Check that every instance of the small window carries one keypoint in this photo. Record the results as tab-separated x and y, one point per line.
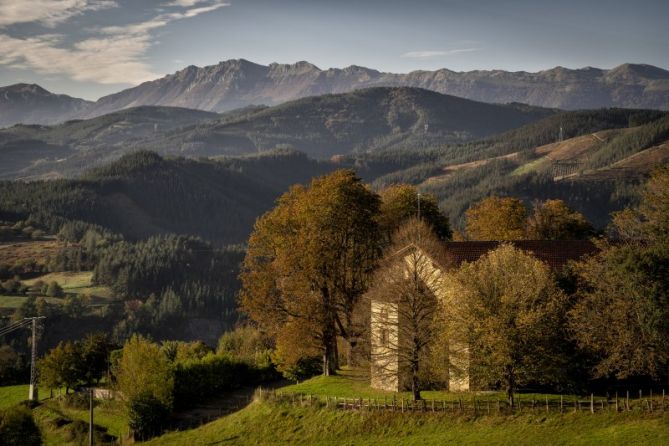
384	337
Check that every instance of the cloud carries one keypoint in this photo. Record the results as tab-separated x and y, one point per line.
112	55
47	12
186	3
425	54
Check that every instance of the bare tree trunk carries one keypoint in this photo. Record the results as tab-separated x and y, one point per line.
510	385
330	356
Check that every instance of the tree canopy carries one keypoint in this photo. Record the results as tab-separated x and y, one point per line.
496	218
507	309
309	261
400	202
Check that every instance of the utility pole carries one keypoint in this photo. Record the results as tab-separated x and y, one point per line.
90	416
418	205
33	390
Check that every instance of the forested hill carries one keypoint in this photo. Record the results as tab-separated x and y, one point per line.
35	151
143	194
365	120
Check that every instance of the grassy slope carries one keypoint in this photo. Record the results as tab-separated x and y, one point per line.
75	283
266	423
107	414
13	395
72	283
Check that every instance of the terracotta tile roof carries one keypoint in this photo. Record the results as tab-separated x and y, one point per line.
556	253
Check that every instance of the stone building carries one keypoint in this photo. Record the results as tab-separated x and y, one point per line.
387	369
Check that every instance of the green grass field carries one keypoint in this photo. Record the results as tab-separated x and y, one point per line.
263	423
355	384
13	395
75	283
108	414
271	422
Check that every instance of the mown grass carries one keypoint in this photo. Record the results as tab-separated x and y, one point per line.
268	423
353	383
75	283
13	395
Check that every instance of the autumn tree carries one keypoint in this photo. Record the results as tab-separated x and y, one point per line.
622	312
145	378
496	218
508	309
554	220
309	261
401	202
403	301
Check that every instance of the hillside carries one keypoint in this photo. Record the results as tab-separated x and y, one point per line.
143	194
237	83
30	151
364	120
595	169
320	126
32	104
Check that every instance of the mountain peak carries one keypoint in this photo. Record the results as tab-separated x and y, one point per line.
646	71
27	88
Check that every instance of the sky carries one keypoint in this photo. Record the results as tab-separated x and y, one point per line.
90	48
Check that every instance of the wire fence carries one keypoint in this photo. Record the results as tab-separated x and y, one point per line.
640	403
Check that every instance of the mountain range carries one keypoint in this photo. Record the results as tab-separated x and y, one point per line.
239	83
32	104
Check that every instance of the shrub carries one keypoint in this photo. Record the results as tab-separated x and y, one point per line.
18	428
147	416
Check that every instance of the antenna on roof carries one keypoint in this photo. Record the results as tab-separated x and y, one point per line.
418	205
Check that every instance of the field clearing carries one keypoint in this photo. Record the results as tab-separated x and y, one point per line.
39	251
75	282
16	301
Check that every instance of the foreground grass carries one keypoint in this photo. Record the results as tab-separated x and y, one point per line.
354	383
13	395
267	423
107	414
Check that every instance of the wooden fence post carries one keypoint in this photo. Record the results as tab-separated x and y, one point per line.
651	400
592	403
627	401
546	403
561	403
616	402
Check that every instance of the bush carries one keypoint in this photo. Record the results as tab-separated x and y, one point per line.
54	289
196	380
18	428
304	368
248	345
147	416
